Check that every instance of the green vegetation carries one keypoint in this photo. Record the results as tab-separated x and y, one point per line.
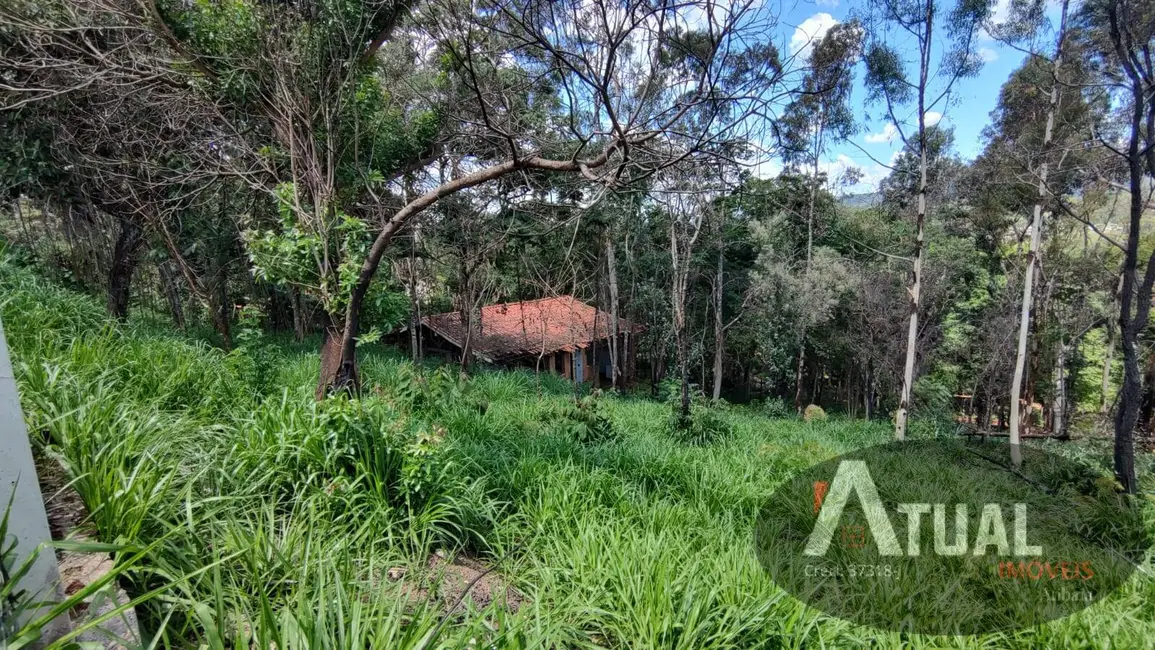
271	518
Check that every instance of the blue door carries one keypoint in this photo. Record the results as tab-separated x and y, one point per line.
579	364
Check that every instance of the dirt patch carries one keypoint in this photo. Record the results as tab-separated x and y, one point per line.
452	581
68	519
65	509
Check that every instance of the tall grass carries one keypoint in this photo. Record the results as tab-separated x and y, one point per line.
272	520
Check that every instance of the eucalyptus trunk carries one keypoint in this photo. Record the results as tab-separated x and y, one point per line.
719	326
678	304
1059	401
915	290
612	281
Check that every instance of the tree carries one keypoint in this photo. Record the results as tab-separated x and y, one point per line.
888	83
1120	34
820	115
688	208
1036	238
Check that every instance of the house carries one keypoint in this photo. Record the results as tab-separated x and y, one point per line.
561	335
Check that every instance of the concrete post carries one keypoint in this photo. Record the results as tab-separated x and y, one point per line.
27	521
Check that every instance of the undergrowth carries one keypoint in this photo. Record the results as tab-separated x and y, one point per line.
272	520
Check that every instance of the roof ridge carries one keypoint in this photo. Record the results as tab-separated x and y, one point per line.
533	300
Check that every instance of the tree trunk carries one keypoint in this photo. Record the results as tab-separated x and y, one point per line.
19	214
300	326
813	199
1128	413
798	376
220	309
1059	402
615	348
172	295
335	365
1108	357
415	351
678	303
1133	310
914	291
719	327
124	259
414	308
467	346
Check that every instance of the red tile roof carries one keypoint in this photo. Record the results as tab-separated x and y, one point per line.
521	328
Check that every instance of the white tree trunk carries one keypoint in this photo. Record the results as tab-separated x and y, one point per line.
678	303
719	327
914	291
1059	405
1025	323
612	280
1033	253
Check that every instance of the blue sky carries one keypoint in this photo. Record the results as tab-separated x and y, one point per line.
967	113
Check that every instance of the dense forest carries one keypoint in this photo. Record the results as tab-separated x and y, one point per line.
315	177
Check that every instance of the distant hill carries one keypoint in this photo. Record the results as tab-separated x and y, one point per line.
864	200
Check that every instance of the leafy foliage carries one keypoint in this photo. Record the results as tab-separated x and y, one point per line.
585	420
706	423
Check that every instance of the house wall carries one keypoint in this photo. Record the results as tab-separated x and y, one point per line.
597	358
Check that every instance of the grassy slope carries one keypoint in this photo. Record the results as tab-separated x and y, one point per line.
216	457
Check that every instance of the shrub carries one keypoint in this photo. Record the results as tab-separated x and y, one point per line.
776	407
814	413
705	423
933	408
584	420
434	394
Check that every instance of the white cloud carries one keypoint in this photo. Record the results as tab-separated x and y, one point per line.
987	54
870	175
769	168
810	32
888	133
1000	13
